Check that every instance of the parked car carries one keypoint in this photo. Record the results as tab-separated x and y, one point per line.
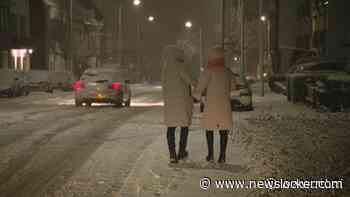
61	80
331	93
101	85
39	81
13	83
278	82
315	70
242	97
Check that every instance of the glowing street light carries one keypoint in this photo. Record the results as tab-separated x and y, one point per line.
151	18
137	2
263	18
188	24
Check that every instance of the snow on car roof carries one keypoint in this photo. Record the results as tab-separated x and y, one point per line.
107	73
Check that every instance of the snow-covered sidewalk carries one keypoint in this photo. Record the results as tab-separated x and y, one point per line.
277	140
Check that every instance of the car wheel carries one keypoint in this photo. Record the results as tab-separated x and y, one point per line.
50	90
289	97
10	93
127	103
23	92
250	108
78	103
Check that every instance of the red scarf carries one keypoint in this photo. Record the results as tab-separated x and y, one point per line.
216	64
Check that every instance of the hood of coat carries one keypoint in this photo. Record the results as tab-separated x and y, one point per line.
216	64
216	58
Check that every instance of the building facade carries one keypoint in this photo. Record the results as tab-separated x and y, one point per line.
47	34
15	38
313	28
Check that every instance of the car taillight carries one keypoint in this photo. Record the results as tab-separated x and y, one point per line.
116	86
79	85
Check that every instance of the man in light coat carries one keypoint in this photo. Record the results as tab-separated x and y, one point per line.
178	102
216	80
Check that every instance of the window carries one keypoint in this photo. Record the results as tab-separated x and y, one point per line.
4	18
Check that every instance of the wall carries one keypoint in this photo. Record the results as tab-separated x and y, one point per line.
339	28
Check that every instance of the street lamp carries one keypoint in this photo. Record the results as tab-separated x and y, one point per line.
137	2
188	24
263	18
151	18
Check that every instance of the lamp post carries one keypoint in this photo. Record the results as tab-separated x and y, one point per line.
137	3
71	36
223	9
30	52
189	25
120	34
242	69
261	52
265	55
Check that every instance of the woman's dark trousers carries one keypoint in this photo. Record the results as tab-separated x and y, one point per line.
182	144
223	145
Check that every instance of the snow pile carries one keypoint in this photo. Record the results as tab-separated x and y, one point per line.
305	146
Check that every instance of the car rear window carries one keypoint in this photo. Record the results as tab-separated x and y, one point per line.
91	74
100	76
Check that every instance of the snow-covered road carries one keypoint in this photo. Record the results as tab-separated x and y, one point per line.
48	147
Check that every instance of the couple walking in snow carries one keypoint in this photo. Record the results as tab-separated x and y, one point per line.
215	82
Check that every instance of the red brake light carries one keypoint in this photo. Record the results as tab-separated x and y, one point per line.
79	85
116	86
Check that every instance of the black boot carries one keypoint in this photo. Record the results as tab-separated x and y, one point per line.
223	145
210	143
171	144
183	154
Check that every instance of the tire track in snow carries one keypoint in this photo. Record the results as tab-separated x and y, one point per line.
64	154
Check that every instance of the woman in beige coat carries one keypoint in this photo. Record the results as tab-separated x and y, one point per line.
178	101
216	80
